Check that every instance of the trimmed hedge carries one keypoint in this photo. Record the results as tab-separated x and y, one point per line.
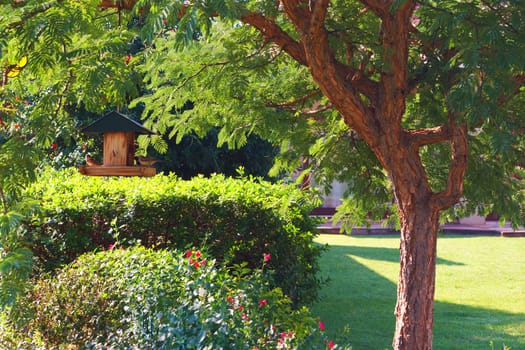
238	220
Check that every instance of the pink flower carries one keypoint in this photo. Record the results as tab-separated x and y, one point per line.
321	325
111	246
267	257
331	344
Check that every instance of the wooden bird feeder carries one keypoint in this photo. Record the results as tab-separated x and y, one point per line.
119	147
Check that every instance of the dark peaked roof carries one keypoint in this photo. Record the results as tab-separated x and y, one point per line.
115	122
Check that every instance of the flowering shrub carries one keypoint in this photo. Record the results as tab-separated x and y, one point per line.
236	219
144	299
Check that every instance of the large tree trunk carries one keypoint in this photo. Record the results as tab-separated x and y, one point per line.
419	209
415	291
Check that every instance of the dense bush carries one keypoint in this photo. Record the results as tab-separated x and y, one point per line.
145	299
238	220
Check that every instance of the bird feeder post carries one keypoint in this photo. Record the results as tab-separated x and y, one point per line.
119	147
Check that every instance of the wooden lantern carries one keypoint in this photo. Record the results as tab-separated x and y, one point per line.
119	146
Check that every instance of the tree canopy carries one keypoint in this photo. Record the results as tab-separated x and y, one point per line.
464	57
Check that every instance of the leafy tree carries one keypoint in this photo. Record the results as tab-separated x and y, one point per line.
396	97
55	56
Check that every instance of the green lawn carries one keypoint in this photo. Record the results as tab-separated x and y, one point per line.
480	291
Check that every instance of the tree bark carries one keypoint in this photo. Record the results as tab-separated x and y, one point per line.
415	291
398	151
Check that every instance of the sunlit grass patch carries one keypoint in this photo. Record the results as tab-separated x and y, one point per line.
479	291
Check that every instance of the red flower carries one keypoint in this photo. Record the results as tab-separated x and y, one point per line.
321	326
267	257
127	59
188	254
197	254
54	146
331	344
111	246
263	302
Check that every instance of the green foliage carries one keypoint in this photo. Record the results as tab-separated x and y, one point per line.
464	58
66	55
140	298
257	88
196	155
237	219
17	169
16	259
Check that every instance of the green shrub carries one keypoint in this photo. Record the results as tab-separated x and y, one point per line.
238	220
144	299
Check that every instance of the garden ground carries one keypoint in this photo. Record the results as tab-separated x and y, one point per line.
479	291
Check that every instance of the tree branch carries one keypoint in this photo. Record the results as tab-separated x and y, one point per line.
428	136
379	7
519	80
298	11
459	146
4	200
272	32
296	101
395	38
333	77
311	112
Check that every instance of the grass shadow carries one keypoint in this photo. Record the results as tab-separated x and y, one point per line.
364	299
387	255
